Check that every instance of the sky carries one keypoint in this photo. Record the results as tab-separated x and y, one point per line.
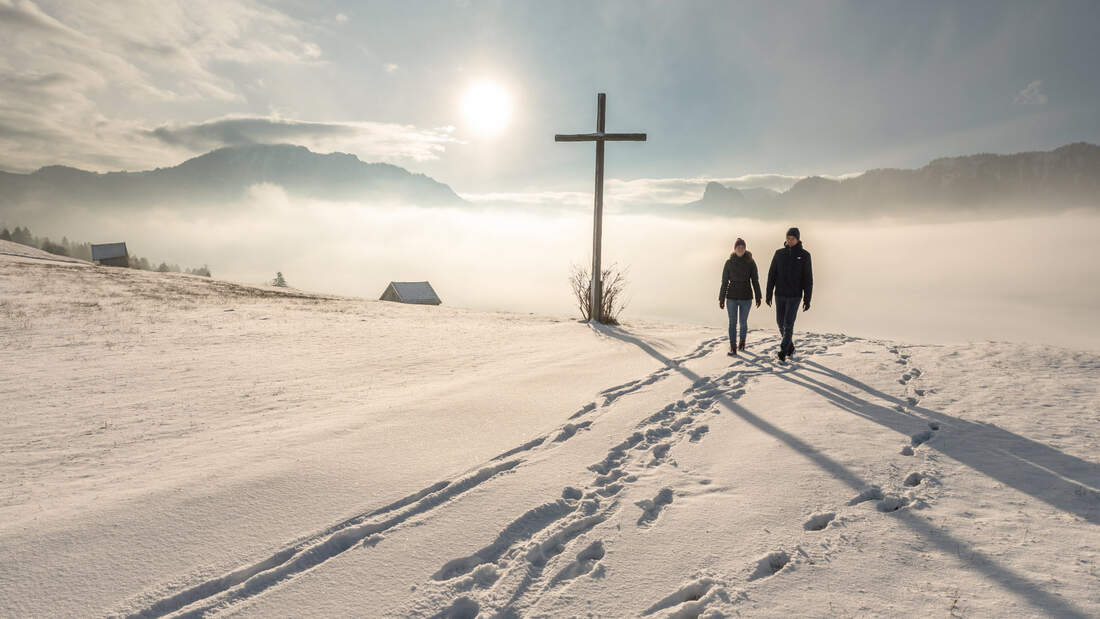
724	90
752	94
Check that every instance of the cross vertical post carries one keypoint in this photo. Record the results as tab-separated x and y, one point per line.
595	299
596	294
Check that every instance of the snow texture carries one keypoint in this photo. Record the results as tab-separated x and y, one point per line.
182	446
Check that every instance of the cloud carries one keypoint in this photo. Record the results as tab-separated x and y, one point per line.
76	77
1032	95
341	18
371	141
390	67
568	199
26	14
620	193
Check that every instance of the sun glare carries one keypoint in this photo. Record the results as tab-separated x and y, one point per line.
487	108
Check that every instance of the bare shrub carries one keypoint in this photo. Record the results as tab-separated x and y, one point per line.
613	301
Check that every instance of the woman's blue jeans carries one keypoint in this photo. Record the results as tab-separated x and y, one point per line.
739	316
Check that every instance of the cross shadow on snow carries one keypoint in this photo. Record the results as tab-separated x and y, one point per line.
1007	579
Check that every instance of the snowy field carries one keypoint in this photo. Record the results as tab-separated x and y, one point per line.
175	445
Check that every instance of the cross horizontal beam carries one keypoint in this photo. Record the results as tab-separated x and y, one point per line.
600	137
595	297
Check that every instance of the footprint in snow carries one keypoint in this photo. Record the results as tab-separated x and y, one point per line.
698	433
462	608
770	564
817	522
651	508
873	493
587	559
569	429
920	438
690	593
892	503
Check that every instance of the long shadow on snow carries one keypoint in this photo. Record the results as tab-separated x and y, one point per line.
1010	581
1038	470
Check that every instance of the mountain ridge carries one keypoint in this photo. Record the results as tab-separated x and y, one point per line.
1065	177
226	173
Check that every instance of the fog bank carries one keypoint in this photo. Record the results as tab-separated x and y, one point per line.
1017	280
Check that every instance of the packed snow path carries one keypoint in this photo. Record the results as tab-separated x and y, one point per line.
864	477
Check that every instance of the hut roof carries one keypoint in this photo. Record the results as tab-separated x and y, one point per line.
109	250
414	292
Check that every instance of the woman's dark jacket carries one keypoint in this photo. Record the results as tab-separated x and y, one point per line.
737	275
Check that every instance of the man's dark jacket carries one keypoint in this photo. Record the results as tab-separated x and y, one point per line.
738	273
791	274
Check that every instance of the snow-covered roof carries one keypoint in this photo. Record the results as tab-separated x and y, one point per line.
415	292
108	250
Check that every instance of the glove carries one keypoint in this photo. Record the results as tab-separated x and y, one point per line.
806	306
721	304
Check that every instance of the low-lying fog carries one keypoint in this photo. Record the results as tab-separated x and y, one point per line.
1021	279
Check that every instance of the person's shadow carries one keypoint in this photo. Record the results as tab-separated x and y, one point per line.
1056	478
1060	480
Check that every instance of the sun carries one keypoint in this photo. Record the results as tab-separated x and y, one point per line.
487	108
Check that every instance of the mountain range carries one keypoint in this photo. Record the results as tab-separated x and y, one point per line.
225	174
1046	181
977	185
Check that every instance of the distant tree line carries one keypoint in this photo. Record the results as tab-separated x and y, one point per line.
83	251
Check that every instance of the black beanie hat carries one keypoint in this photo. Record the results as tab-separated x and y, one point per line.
794	232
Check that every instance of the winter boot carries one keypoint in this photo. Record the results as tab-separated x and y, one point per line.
782	355
733	351
741	346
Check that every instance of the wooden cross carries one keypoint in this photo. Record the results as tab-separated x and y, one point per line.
596	294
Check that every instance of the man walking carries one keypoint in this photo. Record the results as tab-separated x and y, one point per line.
792	279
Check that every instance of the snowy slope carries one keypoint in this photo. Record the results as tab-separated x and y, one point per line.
179	445
8	248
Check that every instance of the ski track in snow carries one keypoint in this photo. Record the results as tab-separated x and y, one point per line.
220	593
614	393
251	580
536	542
545	548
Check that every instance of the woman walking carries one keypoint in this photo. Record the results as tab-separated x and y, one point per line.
736	294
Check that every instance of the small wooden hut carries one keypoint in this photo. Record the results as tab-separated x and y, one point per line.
111	255
420	293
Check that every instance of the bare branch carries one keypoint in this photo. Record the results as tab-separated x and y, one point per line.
614	287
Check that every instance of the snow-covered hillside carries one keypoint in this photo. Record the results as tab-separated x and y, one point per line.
8	248
180	445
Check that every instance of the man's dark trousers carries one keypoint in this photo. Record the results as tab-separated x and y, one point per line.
786	310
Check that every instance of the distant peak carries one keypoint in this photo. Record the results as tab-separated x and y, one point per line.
715	191
57	170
